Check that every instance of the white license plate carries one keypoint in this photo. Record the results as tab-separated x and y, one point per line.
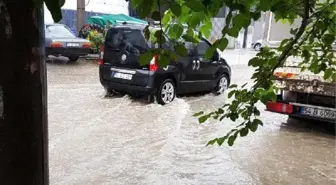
72	44
122	75
315	112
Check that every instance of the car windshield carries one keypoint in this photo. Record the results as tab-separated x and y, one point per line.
59	31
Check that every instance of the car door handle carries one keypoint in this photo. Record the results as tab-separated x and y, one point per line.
198	65
194	65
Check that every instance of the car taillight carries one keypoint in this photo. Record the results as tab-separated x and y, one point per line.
153	64
86	45
101	56
56	45
279	107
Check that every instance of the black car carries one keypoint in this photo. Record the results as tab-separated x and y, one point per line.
120	70
59	40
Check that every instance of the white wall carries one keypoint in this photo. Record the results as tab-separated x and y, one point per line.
101	6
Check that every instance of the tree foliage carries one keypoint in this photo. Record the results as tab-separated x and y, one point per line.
189	20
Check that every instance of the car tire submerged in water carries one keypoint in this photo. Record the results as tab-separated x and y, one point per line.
222	84
166	92
73	59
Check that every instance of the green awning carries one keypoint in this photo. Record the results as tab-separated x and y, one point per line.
114	19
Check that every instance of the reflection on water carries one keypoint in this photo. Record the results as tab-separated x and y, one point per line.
121	140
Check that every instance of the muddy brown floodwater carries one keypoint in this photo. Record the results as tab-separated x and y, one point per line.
97	140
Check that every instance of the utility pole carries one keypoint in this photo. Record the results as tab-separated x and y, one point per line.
80	14
245	37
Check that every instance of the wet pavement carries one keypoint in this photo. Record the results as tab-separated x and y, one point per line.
120	140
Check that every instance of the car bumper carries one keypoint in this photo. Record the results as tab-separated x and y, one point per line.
68	51
127	88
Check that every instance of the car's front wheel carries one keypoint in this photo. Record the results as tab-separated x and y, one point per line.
166	92
222	84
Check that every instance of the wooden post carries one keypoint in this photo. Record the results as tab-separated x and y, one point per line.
23	95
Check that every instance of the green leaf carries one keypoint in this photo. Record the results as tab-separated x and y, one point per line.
243	132
220	111
145	58
244	85
144	9
293	31
135	3
223	44
233	32
210	52
146	33
240	21
193	20
181	50
328	39
231	93
231	140
159	37
253	126
176	31
270	95
54	7
255	15
167	17
220	141
328	73
198	114
163	60
211	142
156	16
255	62
256	111
205	29
175	8
195	5
233	86
258	122
202	119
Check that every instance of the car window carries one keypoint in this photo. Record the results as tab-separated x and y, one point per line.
129	40
202	47
58	30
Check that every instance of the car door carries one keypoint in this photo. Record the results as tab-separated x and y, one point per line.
205	69
189	79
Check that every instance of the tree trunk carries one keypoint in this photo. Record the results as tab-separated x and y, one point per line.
23	95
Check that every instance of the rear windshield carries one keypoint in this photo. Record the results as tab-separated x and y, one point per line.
58	30
128	40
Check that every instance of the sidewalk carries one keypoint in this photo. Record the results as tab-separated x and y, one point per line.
238	56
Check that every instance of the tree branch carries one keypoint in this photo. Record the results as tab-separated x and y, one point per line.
285	54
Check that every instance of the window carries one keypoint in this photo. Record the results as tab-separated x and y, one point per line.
126	39
202	47
59	30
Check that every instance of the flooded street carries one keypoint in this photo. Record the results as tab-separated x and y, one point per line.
120	140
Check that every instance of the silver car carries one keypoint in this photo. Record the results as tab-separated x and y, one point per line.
59	40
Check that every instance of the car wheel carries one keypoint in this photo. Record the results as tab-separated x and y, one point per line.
257	47
222	84
73	59
166	93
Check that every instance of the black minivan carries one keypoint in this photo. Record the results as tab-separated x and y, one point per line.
120	71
